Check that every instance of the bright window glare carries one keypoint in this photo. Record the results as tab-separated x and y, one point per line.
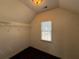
46	28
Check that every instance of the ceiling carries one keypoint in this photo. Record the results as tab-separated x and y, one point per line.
14	10
71	5
24	10
45	5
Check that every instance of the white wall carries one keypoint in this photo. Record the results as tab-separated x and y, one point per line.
14	37
72	5
65	33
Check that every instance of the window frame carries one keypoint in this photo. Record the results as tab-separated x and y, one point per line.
41	31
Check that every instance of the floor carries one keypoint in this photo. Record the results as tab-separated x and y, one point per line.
33	53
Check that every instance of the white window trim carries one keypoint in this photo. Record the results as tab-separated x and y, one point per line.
41	31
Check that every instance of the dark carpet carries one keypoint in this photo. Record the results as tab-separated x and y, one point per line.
33	53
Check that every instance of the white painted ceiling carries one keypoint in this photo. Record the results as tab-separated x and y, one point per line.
46	3
24	10
14	10
71	5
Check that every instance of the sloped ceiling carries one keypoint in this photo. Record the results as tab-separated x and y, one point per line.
24	10
72	5
46	3
14	10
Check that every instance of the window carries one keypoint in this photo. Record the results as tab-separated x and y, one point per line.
46	30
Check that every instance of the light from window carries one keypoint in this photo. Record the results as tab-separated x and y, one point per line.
46	29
